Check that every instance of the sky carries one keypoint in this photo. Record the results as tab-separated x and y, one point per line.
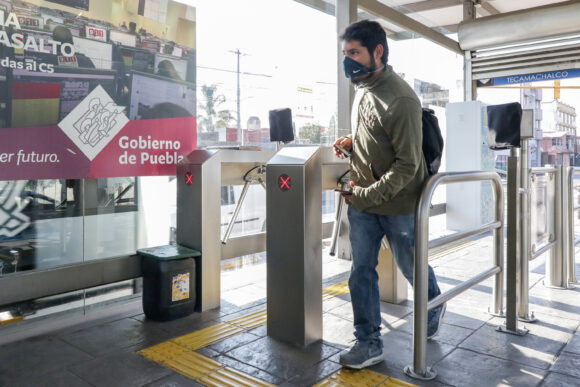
297	48
291	45
287	45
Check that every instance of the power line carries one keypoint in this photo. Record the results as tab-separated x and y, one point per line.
234	71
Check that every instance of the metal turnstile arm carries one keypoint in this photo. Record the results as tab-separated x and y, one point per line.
248	180
342	182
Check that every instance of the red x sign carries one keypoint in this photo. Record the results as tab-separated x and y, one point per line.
188	178
284	182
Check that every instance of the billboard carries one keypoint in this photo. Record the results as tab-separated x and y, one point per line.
83	97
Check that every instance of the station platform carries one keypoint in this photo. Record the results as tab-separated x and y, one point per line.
228	346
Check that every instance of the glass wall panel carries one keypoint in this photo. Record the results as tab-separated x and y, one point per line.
40	225
97	105
270	62
435	85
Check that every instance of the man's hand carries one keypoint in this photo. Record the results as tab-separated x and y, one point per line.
345	143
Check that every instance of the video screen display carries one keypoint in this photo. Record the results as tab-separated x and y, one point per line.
171	67
123	38
156	97
80	4
100	53
39	99
137	59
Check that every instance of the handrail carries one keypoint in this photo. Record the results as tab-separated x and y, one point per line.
421	307
569	248
555	264
540	170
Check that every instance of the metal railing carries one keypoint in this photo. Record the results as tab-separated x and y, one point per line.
570	240
555	276
418	369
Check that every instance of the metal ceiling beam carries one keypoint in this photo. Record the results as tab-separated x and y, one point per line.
319	5
558	19
426	5
490	8
380	10
405	35
430	5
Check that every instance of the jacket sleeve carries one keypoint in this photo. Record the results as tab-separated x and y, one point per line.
402	123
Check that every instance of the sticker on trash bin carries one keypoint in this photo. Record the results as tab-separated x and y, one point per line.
180	290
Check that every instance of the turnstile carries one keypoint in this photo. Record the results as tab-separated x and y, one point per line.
294	243
200	176
296	177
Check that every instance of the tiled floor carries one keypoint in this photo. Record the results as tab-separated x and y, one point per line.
467	352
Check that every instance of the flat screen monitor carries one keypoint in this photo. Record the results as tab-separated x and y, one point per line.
123	38
79	4
39	99
100	53
158	97
137	59
171	67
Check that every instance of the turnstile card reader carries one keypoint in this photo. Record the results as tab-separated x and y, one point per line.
294	262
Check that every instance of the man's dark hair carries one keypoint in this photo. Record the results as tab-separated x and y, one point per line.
369	34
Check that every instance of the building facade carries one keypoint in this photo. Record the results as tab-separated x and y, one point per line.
559	143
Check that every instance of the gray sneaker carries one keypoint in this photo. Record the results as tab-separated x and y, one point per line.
435	321
362	355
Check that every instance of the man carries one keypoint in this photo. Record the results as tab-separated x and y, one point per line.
387	170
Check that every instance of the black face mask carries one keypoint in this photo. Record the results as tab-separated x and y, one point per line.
353	69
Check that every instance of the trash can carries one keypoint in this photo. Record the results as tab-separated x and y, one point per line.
168	281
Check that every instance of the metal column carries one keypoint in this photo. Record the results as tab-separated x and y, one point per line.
346	13
513	257
294	269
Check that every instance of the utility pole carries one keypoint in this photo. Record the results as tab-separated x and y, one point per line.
240	134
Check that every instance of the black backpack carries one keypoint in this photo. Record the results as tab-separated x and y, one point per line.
432	141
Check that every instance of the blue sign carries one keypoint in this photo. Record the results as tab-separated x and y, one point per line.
536	77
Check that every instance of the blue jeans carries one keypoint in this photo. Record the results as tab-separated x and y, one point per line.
366	232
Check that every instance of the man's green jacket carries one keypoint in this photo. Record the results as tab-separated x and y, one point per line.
387	163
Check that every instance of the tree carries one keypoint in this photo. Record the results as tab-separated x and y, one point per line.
209	118
311	132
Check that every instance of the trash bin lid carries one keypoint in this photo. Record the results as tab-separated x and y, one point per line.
168	252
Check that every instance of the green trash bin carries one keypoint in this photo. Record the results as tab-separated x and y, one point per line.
168	281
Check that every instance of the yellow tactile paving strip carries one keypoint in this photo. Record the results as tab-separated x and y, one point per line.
207	336
335	290
351	378
198	367
12	320
230	377
250	321
178	354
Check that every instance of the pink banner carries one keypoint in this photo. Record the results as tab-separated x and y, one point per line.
40	153
141	148
146	148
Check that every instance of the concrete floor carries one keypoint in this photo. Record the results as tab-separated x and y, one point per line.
102	350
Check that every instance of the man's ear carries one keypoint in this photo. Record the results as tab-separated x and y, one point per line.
378	53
